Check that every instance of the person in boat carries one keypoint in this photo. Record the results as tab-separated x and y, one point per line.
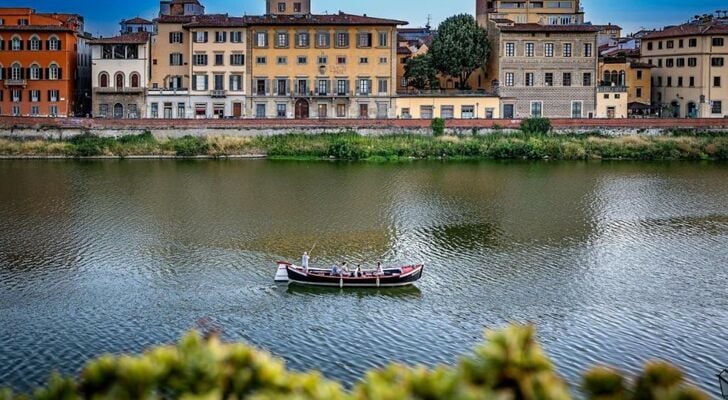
345	269
335	270
358	272
380	269
304	261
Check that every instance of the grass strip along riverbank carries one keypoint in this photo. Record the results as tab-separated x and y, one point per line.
352	146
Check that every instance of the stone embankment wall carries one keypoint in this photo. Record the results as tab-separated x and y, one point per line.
57	128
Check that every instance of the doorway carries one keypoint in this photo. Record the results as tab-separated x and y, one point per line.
364	110
118	111
237	110
508	111
675	109
322	111
301	109
692	110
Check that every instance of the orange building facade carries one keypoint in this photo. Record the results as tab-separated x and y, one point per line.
38	63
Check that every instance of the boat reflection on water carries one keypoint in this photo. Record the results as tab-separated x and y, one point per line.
405	292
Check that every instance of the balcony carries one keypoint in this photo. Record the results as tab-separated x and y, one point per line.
124	90
16	82
218	94
611	89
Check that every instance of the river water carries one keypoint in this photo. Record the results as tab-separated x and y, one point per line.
616	263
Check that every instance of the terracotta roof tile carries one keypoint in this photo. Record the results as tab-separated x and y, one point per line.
129	38
44	28
215	20
321	19
535	28
136	20
691	29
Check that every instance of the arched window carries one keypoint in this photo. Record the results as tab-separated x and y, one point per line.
35	72
16	44
35	43
607	77
54	73
16	72
135	80
104	80
119	81
118	110
54	43
622	78
615	78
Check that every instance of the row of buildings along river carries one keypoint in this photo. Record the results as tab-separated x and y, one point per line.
546	61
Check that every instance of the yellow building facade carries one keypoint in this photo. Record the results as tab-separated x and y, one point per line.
566	12
322	66
448	107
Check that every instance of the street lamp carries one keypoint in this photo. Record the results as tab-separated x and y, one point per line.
723	379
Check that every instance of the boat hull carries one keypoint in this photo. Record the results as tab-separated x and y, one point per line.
399	277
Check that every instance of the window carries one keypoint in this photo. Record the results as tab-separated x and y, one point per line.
365	86
649	46
322	87
364	39
659	63
341	110
638	92
282	87
219	59
693	43
587	49
659	45
260	111
529	79
135	80
529	49
281	110
154	113
54	73
282	60
323	40
261	60
669	63
548	79
510	49
447	112
467	112
16	44
261	39
237	59
383	60
692	81
383	86
323	60
567	49
577	109
35	96
119	81
200	82
669	81
341	60
716	107
342	87
302	60
510	79
681	43
383	39
220	37
261	87
716	81
53	95
281	7
587	81
489	113
679	81
296	7
200	37
692	62
16	72
175	59
342	39
54	43
549	49
302	86
35	43
363	60
104	80
717	61
34	72
670	44
718	42
200	59
16	95
281	39
236	37
536	109
176	37
567	79
680	62
302	39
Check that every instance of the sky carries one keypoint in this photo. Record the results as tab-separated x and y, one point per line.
102	17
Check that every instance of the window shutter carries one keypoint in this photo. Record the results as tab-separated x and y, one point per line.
170	37
2	44
29	46
40	44
21	45
27	73
60	45
20	95
49	95
40	73
207	82
182	38
47	73
231	59
60	74
194	82
48	44
224	36
171	58
243	55
206	36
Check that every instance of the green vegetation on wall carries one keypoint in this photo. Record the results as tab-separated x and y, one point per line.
532	145
509	365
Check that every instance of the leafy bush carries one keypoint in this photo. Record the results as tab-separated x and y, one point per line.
190	146
509	365
536	126
89	145
438	126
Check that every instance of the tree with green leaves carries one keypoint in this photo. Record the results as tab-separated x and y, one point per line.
420	72
460	48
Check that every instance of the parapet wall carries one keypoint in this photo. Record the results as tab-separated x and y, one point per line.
57	128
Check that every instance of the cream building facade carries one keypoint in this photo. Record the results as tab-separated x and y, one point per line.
567	12
690	74
448	106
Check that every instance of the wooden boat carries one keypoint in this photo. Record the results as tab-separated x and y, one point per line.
392	277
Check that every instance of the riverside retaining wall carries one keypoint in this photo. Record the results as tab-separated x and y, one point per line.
57	128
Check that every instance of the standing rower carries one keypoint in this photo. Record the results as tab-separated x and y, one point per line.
304	261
